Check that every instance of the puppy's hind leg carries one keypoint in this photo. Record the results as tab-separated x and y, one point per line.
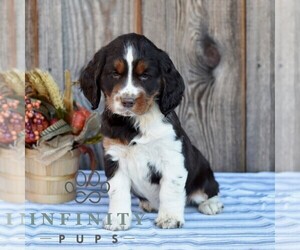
147	207
211	206
208	206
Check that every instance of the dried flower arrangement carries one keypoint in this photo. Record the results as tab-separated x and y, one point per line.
11	108
48	113
57	131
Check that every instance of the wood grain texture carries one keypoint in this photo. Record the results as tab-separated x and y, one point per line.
159	20
8	35
287	85
12	34
213	110
50	38
260	85
31	34
19	10
138	27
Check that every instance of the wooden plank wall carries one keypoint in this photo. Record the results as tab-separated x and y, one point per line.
12	34
260	136
229	111
213	110
31	34
287	91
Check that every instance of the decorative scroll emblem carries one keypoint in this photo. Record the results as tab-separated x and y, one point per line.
94	196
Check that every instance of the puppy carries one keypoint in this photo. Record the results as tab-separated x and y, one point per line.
146	150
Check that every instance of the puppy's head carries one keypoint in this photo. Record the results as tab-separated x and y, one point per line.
133	74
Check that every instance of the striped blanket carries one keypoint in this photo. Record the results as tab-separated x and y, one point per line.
253	202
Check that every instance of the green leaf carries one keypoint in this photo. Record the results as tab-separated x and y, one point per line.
93	140
61	113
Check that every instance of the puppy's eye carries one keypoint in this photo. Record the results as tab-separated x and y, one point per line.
115	75
144	77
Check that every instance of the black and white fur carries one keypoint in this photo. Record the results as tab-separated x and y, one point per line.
147	152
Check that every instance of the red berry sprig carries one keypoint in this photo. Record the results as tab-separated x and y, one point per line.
11	122
35	122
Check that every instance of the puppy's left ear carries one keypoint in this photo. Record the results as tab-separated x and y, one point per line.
172	85
90	78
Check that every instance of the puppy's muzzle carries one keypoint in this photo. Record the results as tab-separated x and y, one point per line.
128	102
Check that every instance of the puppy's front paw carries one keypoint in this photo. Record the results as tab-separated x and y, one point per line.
116	222
165	221
211	206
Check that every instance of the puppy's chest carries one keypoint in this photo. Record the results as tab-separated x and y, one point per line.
146	156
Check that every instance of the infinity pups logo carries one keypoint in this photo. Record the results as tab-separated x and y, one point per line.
81	239
82	195
91	192
97	237
65	219
82	182
70	220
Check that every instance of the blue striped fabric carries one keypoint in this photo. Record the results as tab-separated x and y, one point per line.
247	222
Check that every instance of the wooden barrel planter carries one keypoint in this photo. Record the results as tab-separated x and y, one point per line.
12	176
47	184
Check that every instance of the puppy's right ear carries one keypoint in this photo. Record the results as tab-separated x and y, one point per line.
90	78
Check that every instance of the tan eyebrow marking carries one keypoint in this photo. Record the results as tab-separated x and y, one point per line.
141	67
119	66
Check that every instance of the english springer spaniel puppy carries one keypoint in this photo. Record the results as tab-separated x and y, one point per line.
147	152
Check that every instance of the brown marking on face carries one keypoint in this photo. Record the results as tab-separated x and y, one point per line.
108	142
140	67
143	103
110	97
119	66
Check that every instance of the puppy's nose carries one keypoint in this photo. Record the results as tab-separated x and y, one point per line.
128	102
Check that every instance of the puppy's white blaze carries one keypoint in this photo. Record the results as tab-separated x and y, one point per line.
129	88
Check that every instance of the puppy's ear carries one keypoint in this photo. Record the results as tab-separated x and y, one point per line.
172	85
90	78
